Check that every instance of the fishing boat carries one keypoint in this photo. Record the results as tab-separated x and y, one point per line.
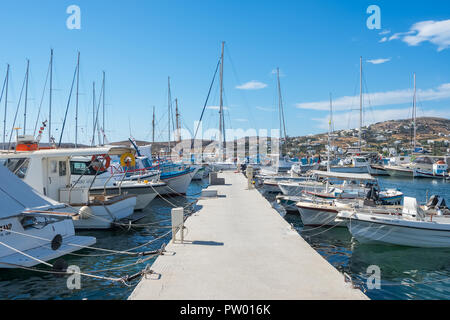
34	228
440	171
412	227
358	164
110	183
48	172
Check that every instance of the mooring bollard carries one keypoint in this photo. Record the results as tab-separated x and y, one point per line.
249	172
177	223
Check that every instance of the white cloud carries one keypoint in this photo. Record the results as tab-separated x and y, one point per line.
265	109
348	120
252	85
381	98
384	39
379	61
435	32
384	32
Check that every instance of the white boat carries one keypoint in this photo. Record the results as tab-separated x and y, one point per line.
319	213
200	174
440	171
410	228
28	219
177	182
358	164
399	171
48	172
115	183
377	170
299	169
297	188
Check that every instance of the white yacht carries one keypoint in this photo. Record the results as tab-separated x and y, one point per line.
48	172
34	228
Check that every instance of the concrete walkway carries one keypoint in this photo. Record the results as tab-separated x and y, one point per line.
239	248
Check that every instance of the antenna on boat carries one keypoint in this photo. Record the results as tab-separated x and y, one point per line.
6	105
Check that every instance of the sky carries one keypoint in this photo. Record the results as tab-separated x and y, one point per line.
140	43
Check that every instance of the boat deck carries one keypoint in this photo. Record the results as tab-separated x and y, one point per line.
237	247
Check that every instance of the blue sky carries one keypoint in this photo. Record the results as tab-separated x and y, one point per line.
316	44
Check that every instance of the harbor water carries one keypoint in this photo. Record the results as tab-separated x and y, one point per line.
406	273
24	284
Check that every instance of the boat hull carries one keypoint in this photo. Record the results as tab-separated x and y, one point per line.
312	217
29	241
177	183
104	216
389	231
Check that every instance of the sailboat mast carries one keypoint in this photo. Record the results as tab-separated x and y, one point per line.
360	103
26	98
103	108
177	114
76	103
329	134
50	99
153	126
280	109
93	113
6	106
169	99
414	114
222	123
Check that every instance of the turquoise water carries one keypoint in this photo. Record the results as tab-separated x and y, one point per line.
406	273
20	284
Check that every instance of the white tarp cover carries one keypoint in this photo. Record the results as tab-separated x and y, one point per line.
343	175
16	196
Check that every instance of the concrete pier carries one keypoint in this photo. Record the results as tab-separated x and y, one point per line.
237	247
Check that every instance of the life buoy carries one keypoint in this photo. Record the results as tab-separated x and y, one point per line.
130	162
104	159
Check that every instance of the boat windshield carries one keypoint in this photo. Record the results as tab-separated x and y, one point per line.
80	168
17	166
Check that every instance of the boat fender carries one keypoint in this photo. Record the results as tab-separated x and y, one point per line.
60	266
57	242
85	212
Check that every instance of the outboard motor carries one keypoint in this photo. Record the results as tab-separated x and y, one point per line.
433	201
